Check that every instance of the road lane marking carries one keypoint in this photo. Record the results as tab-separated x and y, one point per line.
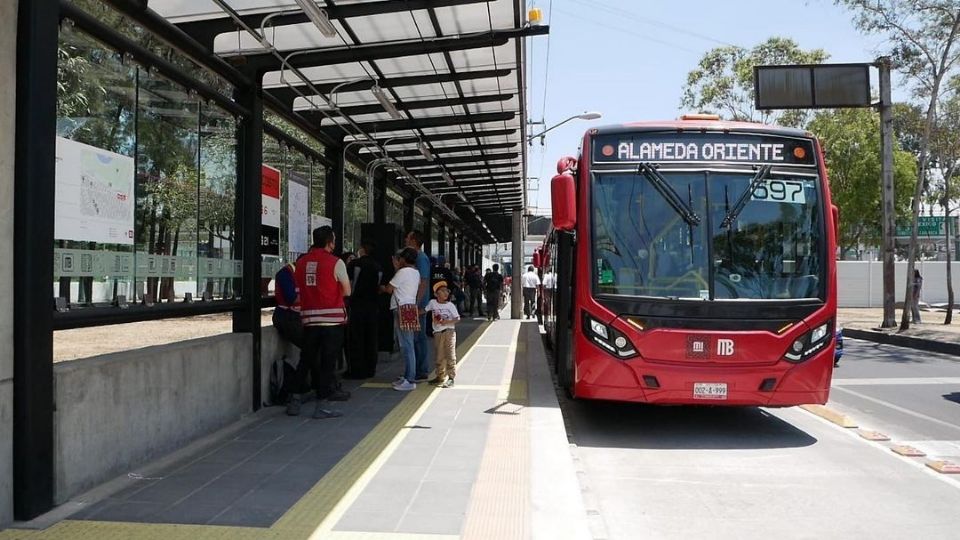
900	409
896	381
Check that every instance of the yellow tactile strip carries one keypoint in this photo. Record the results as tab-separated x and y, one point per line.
500	502
304	519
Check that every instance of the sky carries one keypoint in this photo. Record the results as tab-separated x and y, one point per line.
629	59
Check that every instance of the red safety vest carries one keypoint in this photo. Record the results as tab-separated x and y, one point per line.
284	303
321	298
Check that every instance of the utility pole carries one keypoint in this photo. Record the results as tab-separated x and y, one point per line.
888	214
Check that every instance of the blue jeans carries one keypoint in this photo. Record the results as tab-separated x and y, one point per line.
422	347
406	341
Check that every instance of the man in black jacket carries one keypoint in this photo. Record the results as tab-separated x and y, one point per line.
365	276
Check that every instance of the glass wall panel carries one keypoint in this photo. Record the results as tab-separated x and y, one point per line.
167	189
296	204
219	270
274	157
318	190
393	208
435	238
354	212
419	221
96	108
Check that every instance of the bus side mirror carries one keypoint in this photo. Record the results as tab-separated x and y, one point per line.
836	222
563	195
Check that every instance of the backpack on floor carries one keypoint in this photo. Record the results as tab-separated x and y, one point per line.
281	370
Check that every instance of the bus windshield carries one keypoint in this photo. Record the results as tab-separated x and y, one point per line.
768	248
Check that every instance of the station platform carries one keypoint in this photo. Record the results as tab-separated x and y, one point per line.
487	458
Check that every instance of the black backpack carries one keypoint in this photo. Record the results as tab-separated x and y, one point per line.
280	371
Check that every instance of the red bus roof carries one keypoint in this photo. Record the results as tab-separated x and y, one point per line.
700	124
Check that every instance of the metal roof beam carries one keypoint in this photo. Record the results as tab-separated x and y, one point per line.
287	93
206	30
449	136
440	150
264	61
420	104
417	123
426	169
466	177
462	159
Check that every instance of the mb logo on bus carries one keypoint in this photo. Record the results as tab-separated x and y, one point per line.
703	346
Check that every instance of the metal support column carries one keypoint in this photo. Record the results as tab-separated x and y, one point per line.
380	199
452	250
335	201
428	233
408	212
248	219
33	210
516	290
441	233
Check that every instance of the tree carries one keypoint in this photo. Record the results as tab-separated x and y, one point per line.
722	83
945	154
923	38
851	143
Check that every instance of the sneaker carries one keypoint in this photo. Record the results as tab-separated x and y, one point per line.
293	406
397	381
338	395
405	386
447	383
435	380
320	413
422	378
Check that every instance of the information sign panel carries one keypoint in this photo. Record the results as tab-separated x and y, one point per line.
812	86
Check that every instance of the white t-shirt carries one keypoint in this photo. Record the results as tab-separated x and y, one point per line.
530	280
405	284
549	280
445	310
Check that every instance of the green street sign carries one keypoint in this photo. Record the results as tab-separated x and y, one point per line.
929	226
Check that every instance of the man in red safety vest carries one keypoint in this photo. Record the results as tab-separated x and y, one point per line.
322	283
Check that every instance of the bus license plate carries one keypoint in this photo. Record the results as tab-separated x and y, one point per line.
709	390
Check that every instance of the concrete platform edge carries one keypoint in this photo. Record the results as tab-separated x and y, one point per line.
557	503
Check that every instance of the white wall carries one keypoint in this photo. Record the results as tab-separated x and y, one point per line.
8	76
860	283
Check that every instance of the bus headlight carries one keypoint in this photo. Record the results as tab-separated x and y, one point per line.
608	338
810	343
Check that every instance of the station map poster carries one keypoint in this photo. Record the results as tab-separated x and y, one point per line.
270	214
94	194
298	214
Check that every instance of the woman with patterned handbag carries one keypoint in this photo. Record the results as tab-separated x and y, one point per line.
403	301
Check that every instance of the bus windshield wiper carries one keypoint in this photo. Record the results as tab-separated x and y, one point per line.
668	193
742	201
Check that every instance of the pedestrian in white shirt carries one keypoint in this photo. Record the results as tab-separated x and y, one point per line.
403	302
530	282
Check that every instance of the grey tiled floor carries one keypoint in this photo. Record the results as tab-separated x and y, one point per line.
252	478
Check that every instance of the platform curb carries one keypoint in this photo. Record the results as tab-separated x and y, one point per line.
830	415
887	338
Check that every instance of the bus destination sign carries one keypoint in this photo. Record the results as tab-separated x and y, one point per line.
701	147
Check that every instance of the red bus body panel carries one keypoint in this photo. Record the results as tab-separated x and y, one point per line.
662	352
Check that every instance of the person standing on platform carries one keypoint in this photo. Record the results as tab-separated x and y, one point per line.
475	290
915	305
365	276
414	240
403	302
444	316
530	281
323	283
549	284
493	288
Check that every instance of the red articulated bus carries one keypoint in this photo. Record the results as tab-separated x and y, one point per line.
693	263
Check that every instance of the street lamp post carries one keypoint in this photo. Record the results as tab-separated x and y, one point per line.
583	116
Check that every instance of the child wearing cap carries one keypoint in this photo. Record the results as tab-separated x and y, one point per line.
445	317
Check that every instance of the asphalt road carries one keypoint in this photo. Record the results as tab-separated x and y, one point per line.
683	472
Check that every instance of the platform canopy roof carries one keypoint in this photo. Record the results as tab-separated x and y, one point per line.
438	84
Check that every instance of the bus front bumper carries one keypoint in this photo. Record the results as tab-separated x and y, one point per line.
781	384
